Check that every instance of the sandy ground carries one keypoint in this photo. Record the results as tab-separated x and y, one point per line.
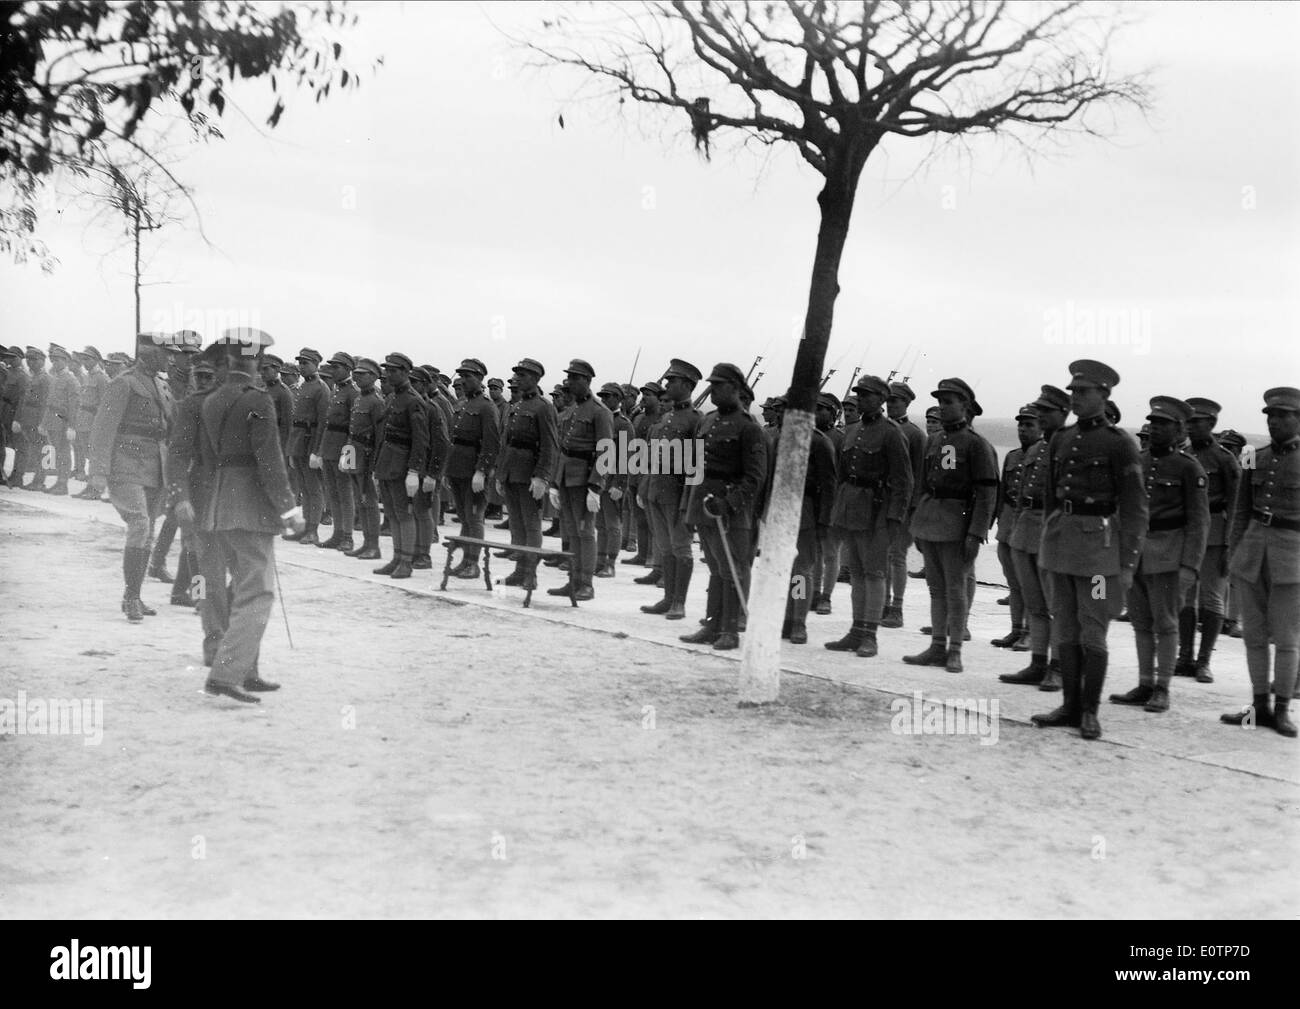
432	758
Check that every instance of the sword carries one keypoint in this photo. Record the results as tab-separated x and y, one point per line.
731	564
280	592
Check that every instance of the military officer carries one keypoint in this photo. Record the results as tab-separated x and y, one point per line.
116	363
1178	520
1264	545
826	565
872	501
188	481
91	396
291	376
530	451
609	536
1051	407
661	492
952	519
126	456
249	501
340	491
1234	442
310	406
721	506
11	396
1009	493
577	484
403	452
281	398
1092	541
358	456
1207	598
475	442
31	412
496	392
432	487
175	387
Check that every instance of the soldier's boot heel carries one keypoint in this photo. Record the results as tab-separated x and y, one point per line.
131	607
935	655
1258	714
388	568
1282	718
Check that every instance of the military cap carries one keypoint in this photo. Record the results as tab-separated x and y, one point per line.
187	340
420	375
611	389
955	385
10	351
1111	412
725	372
1202	407
35	352
629	389
1282	398
769	403
829	401
398	360
272	360
1052	398
1027	412
289	368
496	383
92	354
1144	431
779	402
1092	374
444	380
307	354
530	365
513	381
877	385
154	339
247	337
118	357
932	412
580	367
654	388
204	362
472	366
1169	408
559	390
366	364
1232	440
897	390
57	351
433	372
345	359
677	368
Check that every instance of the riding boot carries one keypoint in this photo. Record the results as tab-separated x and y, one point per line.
669	583
708	632
684	567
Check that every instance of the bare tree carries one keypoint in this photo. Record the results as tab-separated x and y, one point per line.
834	81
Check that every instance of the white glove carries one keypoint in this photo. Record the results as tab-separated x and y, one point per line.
501	488
412	482
314	461
16	427
72	434
616	495
593	501
479	482
293	519
640	501
537	487
554	494
428	485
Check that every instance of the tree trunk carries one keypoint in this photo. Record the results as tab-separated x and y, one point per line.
760	669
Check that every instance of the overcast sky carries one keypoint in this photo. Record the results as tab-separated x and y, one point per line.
441	210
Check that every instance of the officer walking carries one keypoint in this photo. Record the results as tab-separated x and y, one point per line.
530	449
1264	543
1092	541
953	519
721	506
1207	599
871	507
577	485
1178	520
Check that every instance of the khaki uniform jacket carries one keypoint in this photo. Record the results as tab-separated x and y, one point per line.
1009	493
668	437
1271	487
92	395
475	438
11	400
1178	512
31	411
916	439
188	479
960	478
404	436
582	429
364	426
240	447
1031	508
1094	465
337	418
310	405
875	475
1223	473
735	467
282	400
61	403
530	445
437	417
129	436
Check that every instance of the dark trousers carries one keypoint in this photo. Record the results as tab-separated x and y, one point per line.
30	455
368	504
579	527
401	517
340	488
62	451
82	447
671	536
1153	606
1270	613
470	508
1012	576
609	526
166	536
946	574
898	563
1082	609
313	492
1033	591
525	521
867	554
250	559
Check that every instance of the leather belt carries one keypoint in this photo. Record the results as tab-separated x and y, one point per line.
303	424
468	443
1218	506
244	459
1274	521
139	431
949	495
531	446
1087	508
339	428
1035	503
867	484
588	454
1164	524
398	439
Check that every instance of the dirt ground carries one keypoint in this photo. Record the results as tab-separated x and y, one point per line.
433	759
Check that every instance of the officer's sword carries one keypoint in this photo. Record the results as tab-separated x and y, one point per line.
280	592
731	564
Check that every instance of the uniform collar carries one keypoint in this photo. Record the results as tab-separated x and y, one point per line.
1282	448
1092	422
531	394
955	426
